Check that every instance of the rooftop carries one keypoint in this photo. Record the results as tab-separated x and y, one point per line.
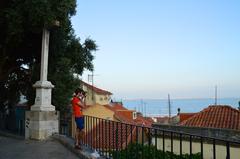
95	89
215	116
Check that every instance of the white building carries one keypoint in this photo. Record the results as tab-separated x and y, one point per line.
95	95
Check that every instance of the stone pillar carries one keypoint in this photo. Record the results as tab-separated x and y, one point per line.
42	121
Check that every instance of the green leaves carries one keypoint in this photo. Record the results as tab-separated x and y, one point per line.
137	151
21	24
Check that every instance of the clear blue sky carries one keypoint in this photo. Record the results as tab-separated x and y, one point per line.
149	48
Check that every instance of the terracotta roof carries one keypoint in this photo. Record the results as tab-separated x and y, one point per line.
220	116
114	107
125	115
110	134
143	121
106	134
118	106
185	116
163	120
95	89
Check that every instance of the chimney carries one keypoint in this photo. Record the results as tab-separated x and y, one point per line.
134	115
178	110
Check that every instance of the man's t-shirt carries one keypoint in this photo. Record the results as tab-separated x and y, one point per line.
77	111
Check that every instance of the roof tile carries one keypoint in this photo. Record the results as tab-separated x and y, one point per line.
217	116
97	90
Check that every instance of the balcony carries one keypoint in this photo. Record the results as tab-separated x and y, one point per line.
112	139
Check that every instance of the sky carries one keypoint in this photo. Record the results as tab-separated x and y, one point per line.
149	48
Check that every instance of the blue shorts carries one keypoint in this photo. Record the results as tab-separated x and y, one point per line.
80	122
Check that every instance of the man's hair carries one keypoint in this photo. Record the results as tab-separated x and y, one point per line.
79	90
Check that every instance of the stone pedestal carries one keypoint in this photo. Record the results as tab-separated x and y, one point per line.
41	124
43	96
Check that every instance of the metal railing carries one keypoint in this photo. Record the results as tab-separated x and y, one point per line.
114	139
12	124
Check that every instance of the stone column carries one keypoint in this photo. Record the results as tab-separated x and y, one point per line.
43	87
42	121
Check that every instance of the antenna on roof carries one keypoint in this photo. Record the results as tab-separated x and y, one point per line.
141	108
216	95
91	79
169	108
145	109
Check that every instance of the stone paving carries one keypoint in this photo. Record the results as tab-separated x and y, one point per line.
11	148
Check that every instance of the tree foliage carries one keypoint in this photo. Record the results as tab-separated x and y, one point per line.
21	24
137	151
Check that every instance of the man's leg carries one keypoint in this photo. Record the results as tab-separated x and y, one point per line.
81	130
77	137
81	136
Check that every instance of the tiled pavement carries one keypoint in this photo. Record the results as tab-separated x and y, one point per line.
11	148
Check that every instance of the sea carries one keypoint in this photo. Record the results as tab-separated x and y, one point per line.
160	107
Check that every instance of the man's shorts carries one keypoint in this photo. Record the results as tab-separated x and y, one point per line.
80	122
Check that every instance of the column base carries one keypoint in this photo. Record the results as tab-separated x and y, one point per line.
40	125
42	108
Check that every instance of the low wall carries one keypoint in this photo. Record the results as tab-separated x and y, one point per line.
226	134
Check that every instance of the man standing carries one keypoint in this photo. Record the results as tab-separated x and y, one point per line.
77	106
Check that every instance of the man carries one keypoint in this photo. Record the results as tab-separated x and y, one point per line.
77	106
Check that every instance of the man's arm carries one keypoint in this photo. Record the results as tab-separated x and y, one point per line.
81	104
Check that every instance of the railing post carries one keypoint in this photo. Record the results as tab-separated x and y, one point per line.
98	134
228	150
106	136
92	132
109	138
163	134
126	132
149	139
190	146
121	137
131	140
214	149
142	141
155	137
88	132
137	140
171	145
117	140
201	147
103	138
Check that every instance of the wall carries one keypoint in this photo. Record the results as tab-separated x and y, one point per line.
95	98
233	135
196	147
102	99
90	98
99	111
95	111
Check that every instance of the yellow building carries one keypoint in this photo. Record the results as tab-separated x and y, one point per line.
95	95
98	117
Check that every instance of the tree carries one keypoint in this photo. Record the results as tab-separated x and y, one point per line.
21	24
137	151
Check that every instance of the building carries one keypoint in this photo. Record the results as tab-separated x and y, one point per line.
95	95
220	117
218	121
108	132
104	118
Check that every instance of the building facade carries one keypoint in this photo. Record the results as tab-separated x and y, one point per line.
95	95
